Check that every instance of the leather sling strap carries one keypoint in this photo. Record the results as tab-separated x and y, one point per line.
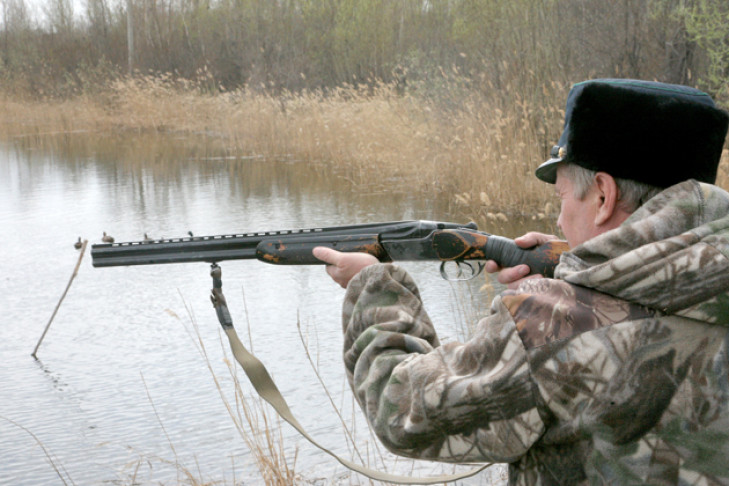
266	388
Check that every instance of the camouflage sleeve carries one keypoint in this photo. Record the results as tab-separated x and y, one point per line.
474	401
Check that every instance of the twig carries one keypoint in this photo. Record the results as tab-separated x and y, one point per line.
73	275
159	419
49	457
326	391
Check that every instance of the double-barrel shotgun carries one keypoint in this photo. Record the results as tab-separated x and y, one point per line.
389	242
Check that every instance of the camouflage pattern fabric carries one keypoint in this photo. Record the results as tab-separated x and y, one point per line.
614	372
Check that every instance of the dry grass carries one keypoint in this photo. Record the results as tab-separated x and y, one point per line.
479	151
372	136
257	425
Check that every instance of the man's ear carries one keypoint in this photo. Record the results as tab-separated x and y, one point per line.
608	193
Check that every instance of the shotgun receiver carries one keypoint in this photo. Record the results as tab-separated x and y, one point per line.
391	241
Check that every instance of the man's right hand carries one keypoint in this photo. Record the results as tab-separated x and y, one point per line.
513	276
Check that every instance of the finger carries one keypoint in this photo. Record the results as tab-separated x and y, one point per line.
509	275
491	266
331	271
336	274
532	239
327	255
528	240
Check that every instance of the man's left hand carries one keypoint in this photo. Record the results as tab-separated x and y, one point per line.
341	266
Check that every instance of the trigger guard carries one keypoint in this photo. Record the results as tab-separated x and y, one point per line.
474	270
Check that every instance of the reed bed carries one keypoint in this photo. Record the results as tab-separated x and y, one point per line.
456	142
443	137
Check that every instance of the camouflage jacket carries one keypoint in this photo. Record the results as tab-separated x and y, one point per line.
614	372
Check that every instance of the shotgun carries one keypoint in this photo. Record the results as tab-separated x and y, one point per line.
389	241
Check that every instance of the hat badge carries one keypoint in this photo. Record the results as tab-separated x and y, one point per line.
562	152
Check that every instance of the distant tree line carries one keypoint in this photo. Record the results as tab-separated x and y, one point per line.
493	45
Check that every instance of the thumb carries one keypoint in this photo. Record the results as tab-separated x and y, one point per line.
327	255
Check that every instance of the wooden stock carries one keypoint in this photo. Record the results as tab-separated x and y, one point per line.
294	251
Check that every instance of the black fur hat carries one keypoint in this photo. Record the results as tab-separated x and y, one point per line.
656	133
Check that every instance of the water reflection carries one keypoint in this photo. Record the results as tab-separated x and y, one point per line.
121	388
55	380
145	169
132	166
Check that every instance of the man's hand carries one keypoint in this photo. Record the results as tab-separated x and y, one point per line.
343	266
513	276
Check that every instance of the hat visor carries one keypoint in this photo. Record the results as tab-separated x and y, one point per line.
548	170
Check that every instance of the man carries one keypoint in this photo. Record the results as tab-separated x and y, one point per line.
613	372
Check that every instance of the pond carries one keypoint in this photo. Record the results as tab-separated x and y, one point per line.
120	392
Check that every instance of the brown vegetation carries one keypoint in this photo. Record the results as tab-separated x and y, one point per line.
479	151
462	98
476	151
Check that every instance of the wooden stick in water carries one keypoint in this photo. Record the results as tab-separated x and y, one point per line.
73	275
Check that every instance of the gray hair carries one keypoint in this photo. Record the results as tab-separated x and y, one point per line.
631	194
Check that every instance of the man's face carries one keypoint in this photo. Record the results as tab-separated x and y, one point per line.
576	217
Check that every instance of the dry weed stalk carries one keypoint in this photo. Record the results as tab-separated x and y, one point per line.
251	418
60	471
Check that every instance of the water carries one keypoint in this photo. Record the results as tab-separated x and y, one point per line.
120	392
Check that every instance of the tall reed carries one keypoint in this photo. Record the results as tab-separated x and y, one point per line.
480	151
